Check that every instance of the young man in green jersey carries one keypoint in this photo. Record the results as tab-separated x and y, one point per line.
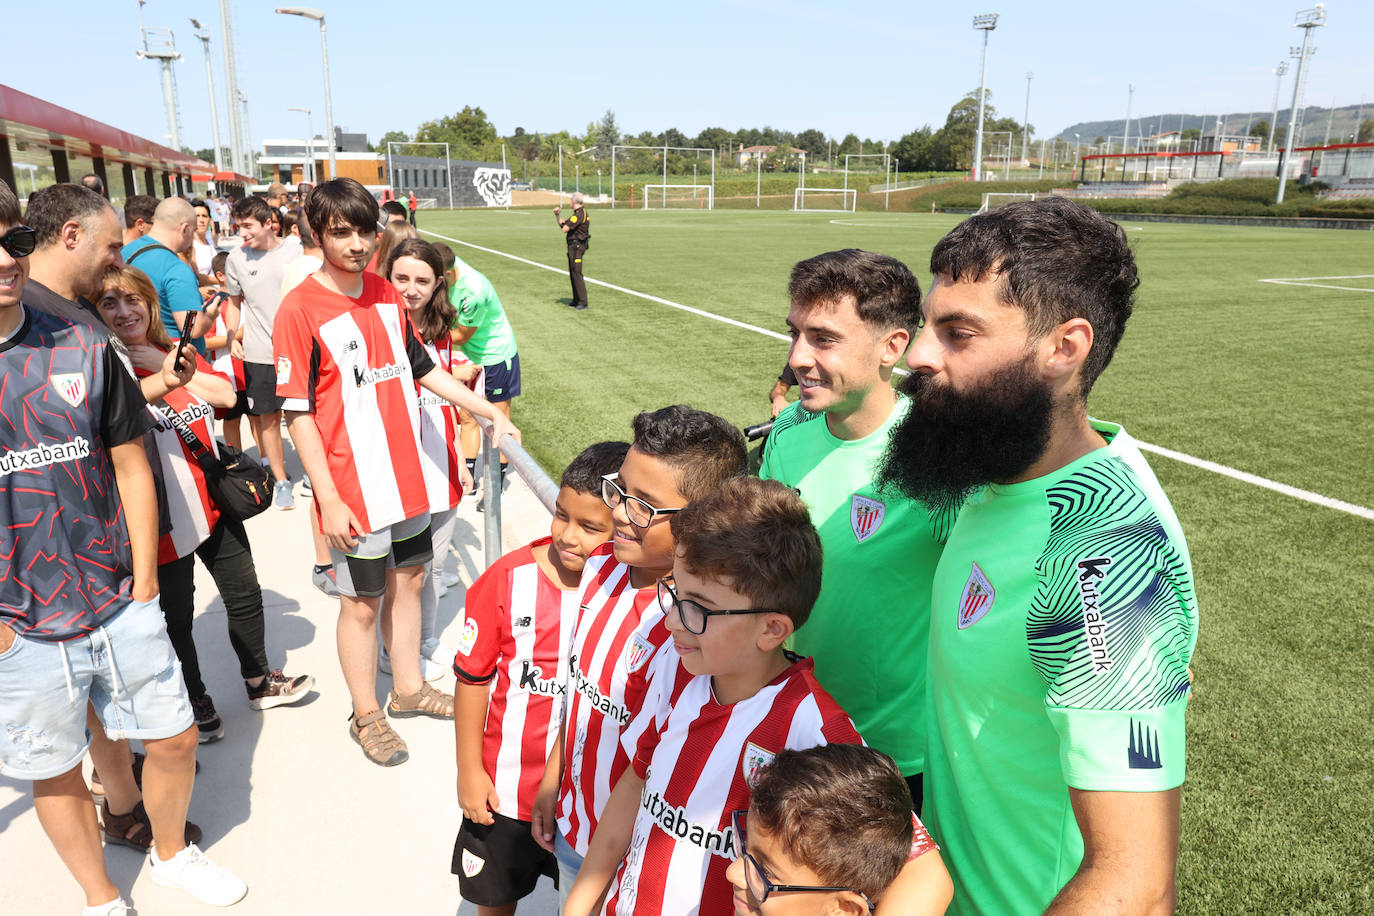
852	315
1063	613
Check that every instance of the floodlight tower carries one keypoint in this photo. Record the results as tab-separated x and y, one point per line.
1307	20
308	173
231	87
1025	129
204	35
248	139
1279	71
984	23
1126	137
308	13
164	51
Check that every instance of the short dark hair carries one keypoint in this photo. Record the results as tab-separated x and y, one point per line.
94	182
303	228
393	209
9	206
594	462
341	200
218	261
139	207
704	449
757	537
841	810
254	208
1055	260
56	205
886	293
445	252
287	221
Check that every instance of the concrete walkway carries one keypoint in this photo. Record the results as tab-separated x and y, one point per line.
286	799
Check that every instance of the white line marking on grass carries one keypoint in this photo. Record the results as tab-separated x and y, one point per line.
620	289
1305	281
1204	464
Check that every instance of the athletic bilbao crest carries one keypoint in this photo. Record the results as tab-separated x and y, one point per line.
493	186
865	516
638	653
755	759
71	386
977	598
472	864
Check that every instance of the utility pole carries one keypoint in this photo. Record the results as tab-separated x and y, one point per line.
1025	128
984	23
1307	20
231	83
1279	71
203	34
1126	138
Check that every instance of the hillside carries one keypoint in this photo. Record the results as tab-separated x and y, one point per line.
1343	124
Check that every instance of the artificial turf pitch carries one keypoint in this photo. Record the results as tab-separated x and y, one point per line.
1272	379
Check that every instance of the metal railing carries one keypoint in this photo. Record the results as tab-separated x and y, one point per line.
540	484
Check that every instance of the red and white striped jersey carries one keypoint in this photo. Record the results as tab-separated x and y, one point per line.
698	758
438	435
221	360
192	514
352	363
516	639
610	643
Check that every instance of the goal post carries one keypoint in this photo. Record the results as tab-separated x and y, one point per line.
824	200
691	166
994	199
879	163
678	196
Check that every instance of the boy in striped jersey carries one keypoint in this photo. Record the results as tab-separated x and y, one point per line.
512	667
726	700
679	455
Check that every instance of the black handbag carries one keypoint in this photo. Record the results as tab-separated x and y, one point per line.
239	486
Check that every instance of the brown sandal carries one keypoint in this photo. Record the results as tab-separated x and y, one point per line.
98	788
378	739
424	702
134	829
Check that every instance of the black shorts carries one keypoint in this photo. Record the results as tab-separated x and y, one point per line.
239	409
260	381
502	380
500	863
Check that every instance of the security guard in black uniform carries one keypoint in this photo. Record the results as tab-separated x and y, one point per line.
578	235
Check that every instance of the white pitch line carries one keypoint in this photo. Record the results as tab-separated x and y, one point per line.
1303	281
1203	463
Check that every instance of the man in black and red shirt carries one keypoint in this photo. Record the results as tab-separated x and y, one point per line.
79	614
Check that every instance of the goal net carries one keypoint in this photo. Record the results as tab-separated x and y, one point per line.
994	199
822	200
678	196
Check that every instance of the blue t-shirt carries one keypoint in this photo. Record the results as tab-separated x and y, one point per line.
178	290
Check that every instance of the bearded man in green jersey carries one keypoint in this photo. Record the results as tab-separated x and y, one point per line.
852	315
1063	613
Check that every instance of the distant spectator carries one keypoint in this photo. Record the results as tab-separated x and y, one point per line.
394	210
158	255
203	245
396	232
412	204
138	216
276	196
95	183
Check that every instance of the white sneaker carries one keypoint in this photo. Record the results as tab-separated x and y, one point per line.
451	579
436	651
431	671
116	907
191	871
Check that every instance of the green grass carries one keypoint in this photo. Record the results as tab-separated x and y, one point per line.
1268	378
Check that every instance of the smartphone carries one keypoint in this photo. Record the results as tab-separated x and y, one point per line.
185	337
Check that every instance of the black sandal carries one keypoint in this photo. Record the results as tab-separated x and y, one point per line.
134	829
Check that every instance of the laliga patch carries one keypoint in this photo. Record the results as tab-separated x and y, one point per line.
977	598
283	370
71	386
468	638
865	516
472	864
755	759
639	652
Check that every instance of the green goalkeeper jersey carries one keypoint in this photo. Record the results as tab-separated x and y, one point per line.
1063	618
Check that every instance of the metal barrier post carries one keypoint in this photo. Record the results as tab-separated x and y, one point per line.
491	501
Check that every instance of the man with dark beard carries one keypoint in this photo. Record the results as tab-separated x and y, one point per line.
1063	613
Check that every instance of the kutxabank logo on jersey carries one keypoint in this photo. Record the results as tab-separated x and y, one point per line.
1091	572
44	454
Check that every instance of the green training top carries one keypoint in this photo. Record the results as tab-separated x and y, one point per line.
868	630
479	307
1062	622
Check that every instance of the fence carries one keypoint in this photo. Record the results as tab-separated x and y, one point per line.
540	484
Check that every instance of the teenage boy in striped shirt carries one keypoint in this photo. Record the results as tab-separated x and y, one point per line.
347	358
512	666
746	572
679	455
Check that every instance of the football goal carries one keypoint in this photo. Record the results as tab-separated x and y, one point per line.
994	199
678	196
824	200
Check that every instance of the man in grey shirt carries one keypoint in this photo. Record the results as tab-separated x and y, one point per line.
254	274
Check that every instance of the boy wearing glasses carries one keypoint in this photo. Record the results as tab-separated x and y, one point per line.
512	666
746	572
679	455
827	831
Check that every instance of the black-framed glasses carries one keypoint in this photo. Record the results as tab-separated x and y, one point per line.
640	513
693	615
757	882
20	241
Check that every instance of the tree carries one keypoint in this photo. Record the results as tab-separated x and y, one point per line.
813	141
1191	133
673	137
850	144
467	132
912	150
1260	130
605	135
392	136
1280	136
713	138
1366	131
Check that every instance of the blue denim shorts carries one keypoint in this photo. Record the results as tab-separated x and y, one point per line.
126	669
569	862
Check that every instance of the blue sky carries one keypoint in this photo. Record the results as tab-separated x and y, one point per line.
877	69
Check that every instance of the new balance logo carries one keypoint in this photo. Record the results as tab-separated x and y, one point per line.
523	621
1142	749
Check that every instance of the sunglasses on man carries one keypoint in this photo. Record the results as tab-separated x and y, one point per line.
19	242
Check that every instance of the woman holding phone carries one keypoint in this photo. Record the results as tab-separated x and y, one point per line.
194	525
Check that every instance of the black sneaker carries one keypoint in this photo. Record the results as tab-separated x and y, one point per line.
207	720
